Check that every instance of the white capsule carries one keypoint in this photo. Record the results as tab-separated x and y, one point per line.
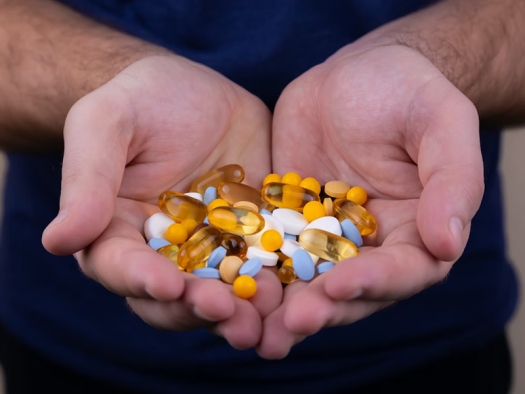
268	259
156	225
329	224
292	221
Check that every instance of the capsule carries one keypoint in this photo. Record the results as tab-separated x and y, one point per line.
233	193
180	207
236	220
195	251
327	246
363	220
169	251
286	274
288	196
228	173
234	245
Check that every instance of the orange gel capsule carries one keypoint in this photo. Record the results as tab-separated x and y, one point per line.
180	207
236	220
288	196
327	246
196	250
228	173
234	245
363	220
236	192
170	252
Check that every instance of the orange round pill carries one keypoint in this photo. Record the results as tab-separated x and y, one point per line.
313	210
271	178
176	234
189	225
311	184
271	240
292	178
357	194
336	189
219	202
244	286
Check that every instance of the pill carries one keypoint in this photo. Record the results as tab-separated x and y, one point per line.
178	206
325	266
199	247
234	244
236	220
176	233
290	236
281	256
207	273
245	287
313	210
156	225
291	178
351	232
219	202
170	252
190	225
328	206
251	267
311	184
271	240
271	178
293	222
210	194
327	246
357	194
288	196
195	195
228	173
229	268
157	243
250	206
265	212
270	223
268	259
234	192
326	223
289	247
303	265
287	262
286	274
363	220
216	257
336	189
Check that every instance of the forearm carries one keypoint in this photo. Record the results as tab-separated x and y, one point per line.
50	57
478	45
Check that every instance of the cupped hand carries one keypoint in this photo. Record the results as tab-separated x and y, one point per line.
155	126
386	119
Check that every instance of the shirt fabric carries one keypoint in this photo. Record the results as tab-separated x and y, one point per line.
262	46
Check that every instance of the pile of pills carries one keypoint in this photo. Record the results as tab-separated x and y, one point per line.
224	229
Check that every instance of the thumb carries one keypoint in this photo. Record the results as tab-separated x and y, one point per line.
96	137
451	171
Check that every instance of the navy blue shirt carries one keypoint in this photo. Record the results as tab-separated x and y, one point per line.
262	46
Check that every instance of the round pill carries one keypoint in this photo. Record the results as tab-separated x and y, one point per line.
216	257
292	221
207	273
357	194
270	223
219	202
209	195
336	189
287	262
195	195
292	178
303	265
176	234
271	240
327	223
268	259
189	225
229	268
351	232
328	206
156	225
313	210
250	206
311	184
326	266
251	267
271	178
244	287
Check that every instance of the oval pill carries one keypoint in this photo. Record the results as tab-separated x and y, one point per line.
228	173
157	243
336	189
179	206
351	233
210	194
363	220
246	205
196	250
324	267
236	220
216	257
251	267
207	273
195	195
328	206
229	268
303	265
233	193
327	246
293	222
269	259
288	196
326	223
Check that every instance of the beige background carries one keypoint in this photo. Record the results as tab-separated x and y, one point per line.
513	168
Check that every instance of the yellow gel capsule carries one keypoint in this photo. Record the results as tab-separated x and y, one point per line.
236	220
357	194
219	202
271	240
271	178
170	252
245	287
327	246
234	245
246	205
363	220
233	193
286	274
311	184
176	233
292	178
288	196
313	210
228	173
180	207
198	248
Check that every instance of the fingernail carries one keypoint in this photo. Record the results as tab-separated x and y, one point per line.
62	215
456	228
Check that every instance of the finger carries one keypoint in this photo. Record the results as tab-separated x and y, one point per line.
96	137
394	271
269	293
450	168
